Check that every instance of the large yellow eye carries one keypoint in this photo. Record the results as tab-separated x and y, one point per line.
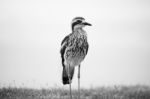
79	21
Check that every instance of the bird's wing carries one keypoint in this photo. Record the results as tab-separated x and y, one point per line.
64	45
65	40
87	47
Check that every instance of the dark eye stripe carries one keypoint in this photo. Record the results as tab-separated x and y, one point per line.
75	23
78	21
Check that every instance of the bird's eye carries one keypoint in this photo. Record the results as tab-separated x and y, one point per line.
79	21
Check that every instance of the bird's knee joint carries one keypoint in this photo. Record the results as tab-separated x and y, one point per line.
78	76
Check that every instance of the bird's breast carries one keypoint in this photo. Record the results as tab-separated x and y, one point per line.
77	50
79	46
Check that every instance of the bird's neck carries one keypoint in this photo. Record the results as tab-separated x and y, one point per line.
79	31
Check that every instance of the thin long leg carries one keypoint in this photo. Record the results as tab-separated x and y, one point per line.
69	81
79	82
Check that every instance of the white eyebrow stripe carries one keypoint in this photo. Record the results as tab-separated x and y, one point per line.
75	20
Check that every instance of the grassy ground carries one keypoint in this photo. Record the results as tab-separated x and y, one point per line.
115	92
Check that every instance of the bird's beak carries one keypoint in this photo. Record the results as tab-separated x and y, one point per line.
86	23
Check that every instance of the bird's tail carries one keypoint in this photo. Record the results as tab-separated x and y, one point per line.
65	78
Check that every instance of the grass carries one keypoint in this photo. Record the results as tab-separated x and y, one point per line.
115	92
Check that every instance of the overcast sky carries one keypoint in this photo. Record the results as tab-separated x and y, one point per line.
31	32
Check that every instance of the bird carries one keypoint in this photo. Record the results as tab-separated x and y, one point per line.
74	48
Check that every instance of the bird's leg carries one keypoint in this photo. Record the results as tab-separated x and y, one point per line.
69	81
79	82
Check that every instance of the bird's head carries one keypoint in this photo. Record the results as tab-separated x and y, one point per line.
79	23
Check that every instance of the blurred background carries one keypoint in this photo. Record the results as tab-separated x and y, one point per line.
31	32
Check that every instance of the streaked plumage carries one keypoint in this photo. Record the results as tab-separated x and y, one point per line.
74	48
